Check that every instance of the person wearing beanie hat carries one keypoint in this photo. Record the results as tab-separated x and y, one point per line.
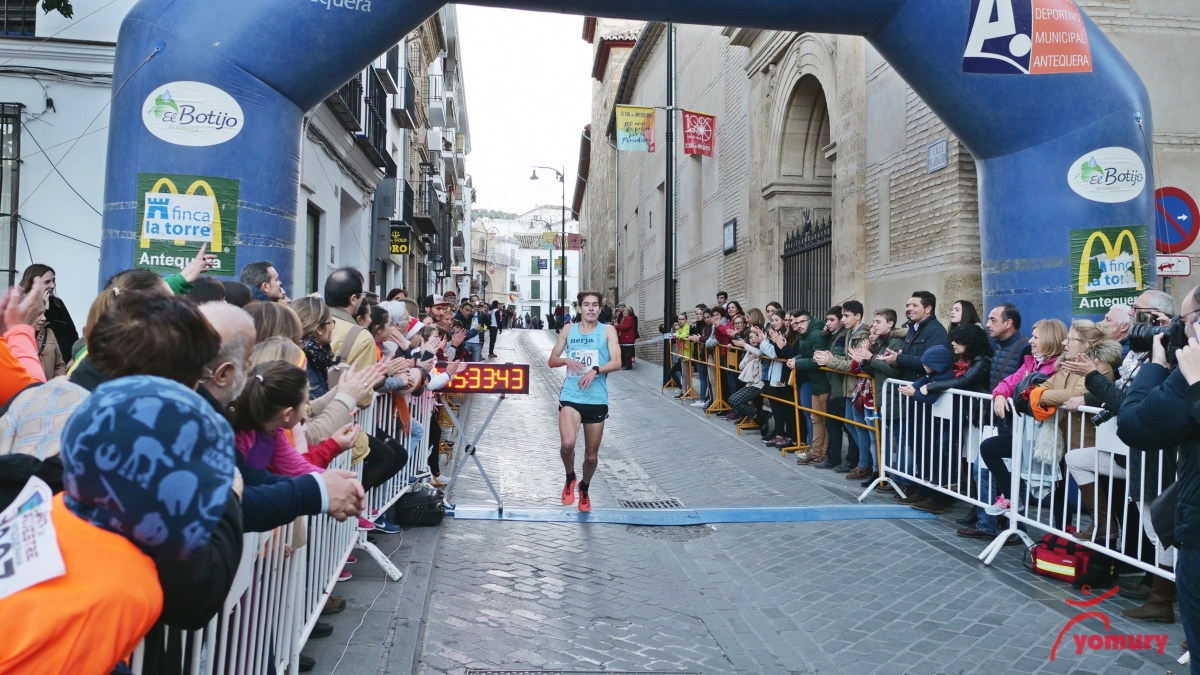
939	365
149	459
147	470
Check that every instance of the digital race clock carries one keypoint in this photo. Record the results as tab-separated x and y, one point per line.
490	378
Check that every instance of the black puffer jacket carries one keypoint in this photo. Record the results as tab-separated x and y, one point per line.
974	379
1007	359
1159	412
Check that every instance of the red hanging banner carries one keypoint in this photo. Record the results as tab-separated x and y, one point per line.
699	133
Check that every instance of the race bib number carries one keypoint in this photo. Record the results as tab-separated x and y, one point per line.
588	357
29	551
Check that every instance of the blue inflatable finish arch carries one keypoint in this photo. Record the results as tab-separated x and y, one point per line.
277	59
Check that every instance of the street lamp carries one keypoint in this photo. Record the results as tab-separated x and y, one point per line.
563	275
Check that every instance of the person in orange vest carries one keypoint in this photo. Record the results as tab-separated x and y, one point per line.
147	468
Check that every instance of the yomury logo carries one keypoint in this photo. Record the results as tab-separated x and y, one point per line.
192	113
1114	642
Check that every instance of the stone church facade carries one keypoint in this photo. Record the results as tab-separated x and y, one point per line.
841	181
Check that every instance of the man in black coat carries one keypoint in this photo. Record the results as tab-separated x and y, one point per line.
1162	410
1009	348
924	331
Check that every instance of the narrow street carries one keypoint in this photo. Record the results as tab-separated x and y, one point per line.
864	596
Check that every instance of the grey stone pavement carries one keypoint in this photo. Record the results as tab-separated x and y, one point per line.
854	597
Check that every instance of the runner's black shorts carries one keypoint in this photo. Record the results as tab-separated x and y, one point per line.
589	413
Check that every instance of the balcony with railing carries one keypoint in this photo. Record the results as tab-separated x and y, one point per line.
459	246
346	103
426	209
446	235
374	141
390	73
19	17
406	208
404	104
436	110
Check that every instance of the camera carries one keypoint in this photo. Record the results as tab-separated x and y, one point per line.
1145	317
1141	337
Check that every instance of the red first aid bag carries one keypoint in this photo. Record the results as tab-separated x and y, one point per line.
1062	558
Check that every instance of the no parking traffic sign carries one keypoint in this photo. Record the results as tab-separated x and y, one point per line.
1175	227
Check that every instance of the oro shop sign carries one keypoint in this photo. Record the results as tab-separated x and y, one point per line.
192	113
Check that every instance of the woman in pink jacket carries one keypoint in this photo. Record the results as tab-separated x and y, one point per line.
1045	346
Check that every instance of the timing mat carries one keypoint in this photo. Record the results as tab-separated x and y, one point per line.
693	516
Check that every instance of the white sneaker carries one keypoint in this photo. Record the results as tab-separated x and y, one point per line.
1002	505
701	404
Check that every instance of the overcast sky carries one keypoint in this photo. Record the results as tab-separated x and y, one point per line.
529	89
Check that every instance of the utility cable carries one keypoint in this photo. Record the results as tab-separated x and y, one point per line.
146	60
67	236
60	143
372	605
55	167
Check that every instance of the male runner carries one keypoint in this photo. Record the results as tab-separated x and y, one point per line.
589	347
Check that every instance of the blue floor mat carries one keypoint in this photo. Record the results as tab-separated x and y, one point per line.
693	516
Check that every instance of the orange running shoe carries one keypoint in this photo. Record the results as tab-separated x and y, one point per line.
568	493
585	502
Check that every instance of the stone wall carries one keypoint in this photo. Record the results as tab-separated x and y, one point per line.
897	227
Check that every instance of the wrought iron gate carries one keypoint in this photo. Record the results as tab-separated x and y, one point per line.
808	263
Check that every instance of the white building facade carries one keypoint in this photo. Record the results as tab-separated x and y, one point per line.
385	151
531	290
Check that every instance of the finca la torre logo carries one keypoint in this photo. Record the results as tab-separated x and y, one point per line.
192	114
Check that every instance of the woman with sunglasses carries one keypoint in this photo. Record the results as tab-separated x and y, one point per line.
316	330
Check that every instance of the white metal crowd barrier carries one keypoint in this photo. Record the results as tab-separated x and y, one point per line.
286	575
937	446
1047	500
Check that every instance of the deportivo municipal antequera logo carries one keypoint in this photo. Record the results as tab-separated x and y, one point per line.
1028	37
1108	175
192	113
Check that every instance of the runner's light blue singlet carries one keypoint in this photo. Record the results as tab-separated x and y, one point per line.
592	350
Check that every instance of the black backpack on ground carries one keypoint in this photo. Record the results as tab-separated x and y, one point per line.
420	507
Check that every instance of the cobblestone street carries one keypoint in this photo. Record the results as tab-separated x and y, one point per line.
853	597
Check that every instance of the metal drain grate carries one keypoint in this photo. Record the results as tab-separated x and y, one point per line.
671	503
473	671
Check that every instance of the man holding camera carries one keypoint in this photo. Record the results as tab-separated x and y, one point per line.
1159	412
1152	311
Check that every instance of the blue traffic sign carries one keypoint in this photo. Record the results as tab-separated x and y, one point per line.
1175	226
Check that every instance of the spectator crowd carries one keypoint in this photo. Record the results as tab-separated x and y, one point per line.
1140	365
186	412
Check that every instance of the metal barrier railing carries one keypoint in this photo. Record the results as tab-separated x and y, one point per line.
940	446
1049	496
936	445
286	575
711	359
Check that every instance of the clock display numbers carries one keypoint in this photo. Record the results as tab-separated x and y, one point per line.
490	378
